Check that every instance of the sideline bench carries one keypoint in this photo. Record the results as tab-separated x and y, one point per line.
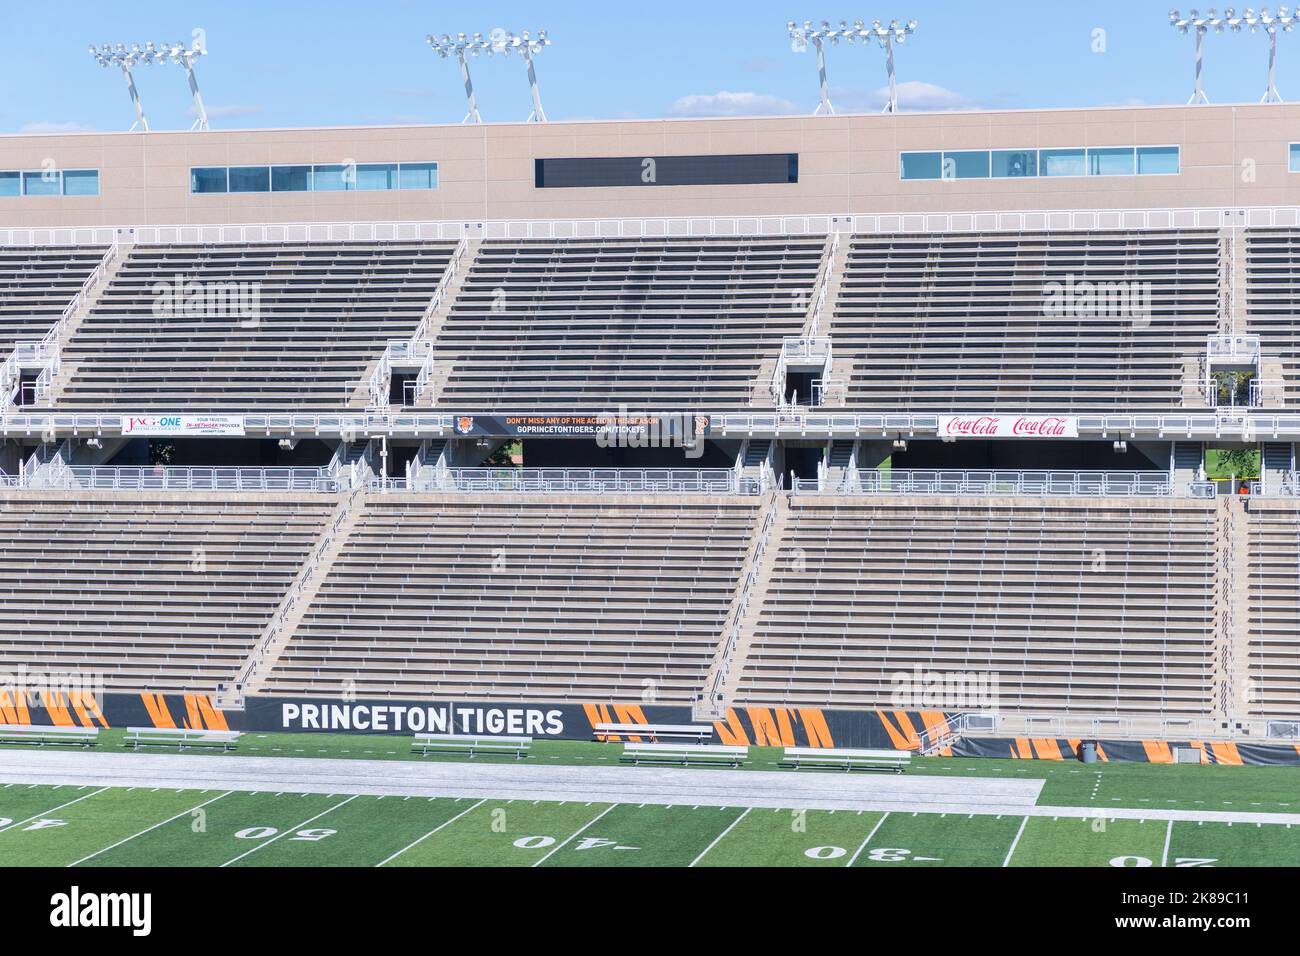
685	753
467	743
797	757
179	737
40	736
699	733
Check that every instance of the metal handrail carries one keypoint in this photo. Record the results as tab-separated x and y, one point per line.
710	481
160	478
1066	484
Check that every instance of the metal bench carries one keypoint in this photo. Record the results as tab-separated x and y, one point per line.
699	733
467	743
179	737
685	753
797	757
40	735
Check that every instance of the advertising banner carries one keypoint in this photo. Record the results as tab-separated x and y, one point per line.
182	426
1008	426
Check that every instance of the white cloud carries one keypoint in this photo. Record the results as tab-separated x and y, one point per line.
726	103
914	95
48	126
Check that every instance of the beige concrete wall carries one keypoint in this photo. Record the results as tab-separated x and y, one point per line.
847	164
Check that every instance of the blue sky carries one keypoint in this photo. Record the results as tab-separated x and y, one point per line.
292	63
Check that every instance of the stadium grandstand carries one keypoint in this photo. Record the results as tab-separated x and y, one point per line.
484	413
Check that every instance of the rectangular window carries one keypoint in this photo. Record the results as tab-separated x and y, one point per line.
81	182
744	169
250	179
371	176
10	185
1110	161
1061	162
1157	160
1011	163
419	176
966	164
921	166
333	179
46	182
208	179
290	179
1293	162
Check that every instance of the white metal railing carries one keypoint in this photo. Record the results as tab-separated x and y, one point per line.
160	478
346	504
1244	349
710	481
1066	484
1050	220
418	349
732	638
822	288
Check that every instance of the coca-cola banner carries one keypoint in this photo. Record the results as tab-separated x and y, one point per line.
1008	426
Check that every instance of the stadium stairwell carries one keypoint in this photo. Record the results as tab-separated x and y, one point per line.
373	387
296	601
78	309
738	631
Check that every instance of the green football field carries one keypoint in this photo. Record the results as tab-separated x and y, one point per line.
93	826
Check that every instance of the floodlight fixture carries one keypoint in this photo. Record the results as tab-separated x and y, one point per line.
1283	21
119	55
497	42
885	35
1200	25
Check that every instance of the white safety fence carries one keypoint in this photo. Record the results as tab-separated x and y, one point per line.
644	481
1062	484
145	478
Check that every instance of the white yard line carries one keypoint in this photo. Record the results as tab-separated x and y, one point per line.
37	816
1169	832
718	839
854	858
576	833
1016	842
444	823
293	829
150	829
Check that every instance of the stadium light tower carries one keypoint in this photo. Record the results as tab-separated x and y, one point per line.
801	36
1200	25
886	37
119	55
498	42
819	37
109	55
1283	21
460	45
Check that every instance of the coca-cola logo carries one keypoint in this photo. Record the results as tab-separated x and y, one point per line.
982	425
1041	427
1002	426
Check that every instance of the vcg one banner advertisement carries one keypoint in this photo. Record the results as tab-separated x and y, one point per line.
1008	426
165	426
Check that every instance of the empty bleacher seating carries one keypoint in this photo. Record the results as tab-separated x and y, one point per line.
582	598
958	322
36	285
1076	605
155	591
1273	665
325	312
654	323
1273	301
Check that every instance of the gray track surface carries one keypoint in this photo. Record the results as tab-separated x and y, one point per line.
519	780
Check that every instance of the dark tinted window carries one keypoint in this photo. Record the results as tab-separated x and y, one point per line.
734	170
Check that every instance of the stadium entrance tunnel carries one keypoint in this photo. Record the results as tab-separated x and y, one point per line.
1026	455
577	453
